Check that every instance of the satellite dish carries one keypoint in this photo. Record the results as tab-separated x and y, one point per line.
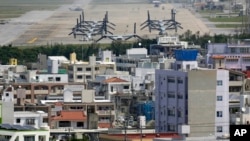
243	109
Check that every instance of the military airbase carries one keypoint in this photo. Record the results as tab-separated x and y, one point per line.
40	27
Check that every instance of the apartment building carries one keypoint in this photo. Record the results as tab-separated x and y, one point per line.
130	61
69	114
137	58
232	55
166	45
82	72
10	132
193	96
34	119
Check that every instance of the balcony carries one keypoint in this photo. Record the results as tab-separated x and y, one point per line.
104	121
41	91
105	112
235	83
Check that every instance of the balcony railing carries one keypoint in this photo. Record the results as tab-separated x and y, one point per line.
235	83
105	112
104	121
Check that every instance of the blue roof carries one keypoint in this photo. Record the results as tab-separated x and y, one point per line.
186	54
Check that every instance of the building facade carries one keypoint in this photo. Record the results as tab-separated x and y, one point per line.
232	55
193	96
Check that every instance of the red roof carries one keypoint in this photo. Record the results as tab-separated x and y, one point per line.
218	57
70	116
114	80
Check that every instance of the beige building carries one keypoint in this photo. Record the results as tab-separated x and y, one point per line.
82	72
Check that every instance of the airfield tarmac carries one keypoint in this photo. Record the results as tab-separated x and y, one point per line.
49	27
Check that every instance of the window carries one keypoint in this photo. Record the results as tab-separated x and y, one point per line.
79	69
171	95
171	80
219	114
179	113
219	129
233	60
28	96
30	121
96	68
244	50
29	138
233	50
50	79
125	87
179	81
171	112
171	128
79	76
88	69
18	120
219	98
70	76
141	84
88	76
219	83
6	94
58	78
111	89
80	124
64	124
179	96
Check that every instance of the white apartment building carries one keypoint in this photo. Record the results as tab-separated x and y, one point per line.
22	134
133	58
143	81
34	119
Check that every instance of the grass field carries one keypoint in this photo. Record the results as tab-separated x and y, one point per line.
228	25
226	19
15	8
117	1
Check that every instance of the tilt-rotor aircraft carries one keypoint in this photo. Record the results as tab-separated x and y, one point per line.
161	25
120	37
88	29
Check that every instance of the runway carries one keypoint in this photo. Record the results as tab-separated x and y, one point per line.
49	27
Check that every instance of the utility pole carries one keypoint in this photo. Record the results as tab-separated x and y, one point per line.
141	132
110	116
247	24
125	130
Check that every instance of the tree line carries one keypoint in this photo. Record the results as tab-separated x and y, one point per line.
83	51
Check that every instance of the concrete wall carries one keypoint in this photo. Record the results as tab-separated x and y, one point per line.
8	112
88	96
201	102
